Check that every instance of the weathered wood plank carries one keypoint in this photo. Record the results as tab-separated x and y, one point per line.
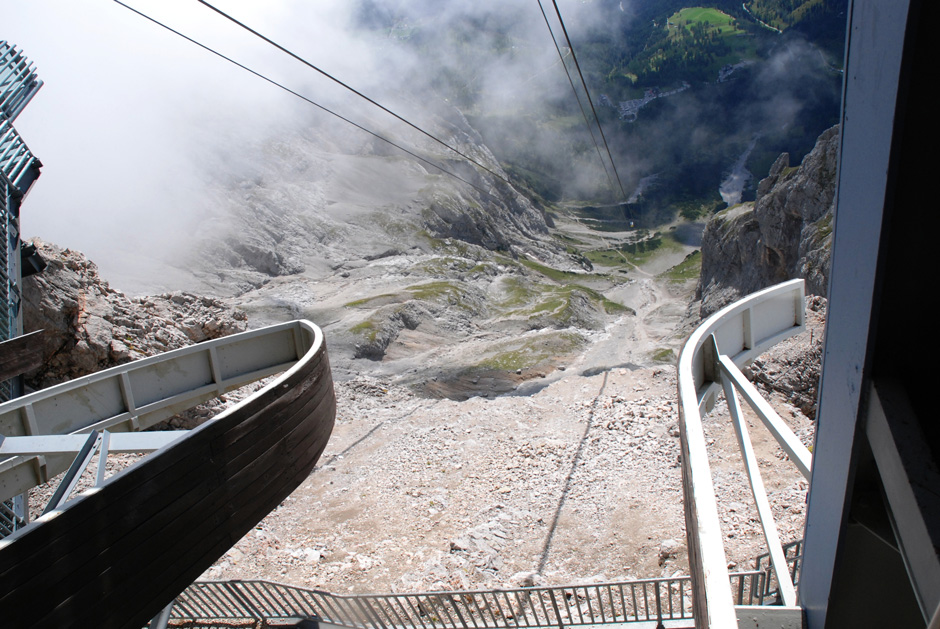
19	355
116	557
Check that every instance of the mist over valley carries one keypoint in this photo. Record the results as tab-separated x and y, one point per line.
502	289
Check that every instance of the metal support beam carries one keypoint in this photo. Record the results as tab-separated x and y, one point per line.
65	488
791	444
162	619
71	444
103	451
777	558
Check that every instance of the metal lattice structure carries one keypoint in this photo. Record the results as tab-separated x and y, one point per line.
19	168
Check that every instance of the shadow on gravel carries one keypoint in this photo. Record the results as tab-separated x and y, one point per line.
593	371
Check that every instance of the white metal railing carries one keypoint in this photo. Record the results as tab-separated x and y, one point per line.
711	359
42	432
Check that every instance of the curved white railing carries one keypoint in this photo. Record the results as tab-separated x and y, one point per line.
711	358
136	396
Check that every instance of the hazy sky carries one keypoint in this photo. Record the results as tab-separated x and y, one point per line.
129	112
132	117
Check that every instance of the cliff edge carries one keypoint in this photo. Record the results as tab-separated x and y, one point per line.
784	234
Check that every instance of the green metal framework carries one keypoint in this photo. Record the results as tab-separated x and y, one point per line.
19	168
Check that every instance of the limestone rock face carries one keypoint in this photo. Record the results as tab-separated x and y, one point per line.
318	199
786	233
88	326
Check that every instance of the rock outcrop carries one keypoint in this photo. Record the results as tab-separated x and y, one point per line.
88	326
319	200
786	233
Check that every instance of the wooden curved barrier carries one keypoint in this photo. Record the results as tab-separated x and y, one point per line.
118	554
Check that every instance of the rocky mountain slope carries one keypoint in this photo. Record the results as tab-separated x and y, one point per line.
578	481
785	233
426	290
321	199
88	326
411	273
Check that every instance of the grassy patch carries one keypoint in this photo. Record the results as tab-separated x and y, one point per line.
534	300
646	250
695	210
605	257
376	300
452	247
635	253
563	277
517	293
664	355
712	20
441	291
689	269
447	292
613	307
532	351
367	329
824	225
549	272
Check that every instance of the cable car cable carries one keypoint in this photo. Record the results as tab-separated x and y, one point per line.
353	90
302	97
584	83
577	96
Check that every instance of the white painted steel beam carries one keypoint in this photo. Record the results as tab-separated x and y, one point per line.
103	451
742	331
777	557
791	444
71	444
874	50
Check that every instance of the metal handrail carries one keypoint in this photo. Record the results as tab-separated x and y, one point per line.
621	602
711	359
640	601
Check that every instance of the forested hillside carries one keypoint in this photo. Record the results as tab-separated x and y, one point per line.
683	91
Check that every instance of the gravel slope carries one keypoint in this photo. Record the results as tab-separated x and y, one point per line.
577	482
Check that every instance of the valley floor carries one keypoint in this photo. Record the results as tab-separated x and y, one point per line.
575	477
579	481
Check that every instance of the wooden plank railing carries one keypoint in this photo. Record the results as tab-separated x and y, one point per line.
117	554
